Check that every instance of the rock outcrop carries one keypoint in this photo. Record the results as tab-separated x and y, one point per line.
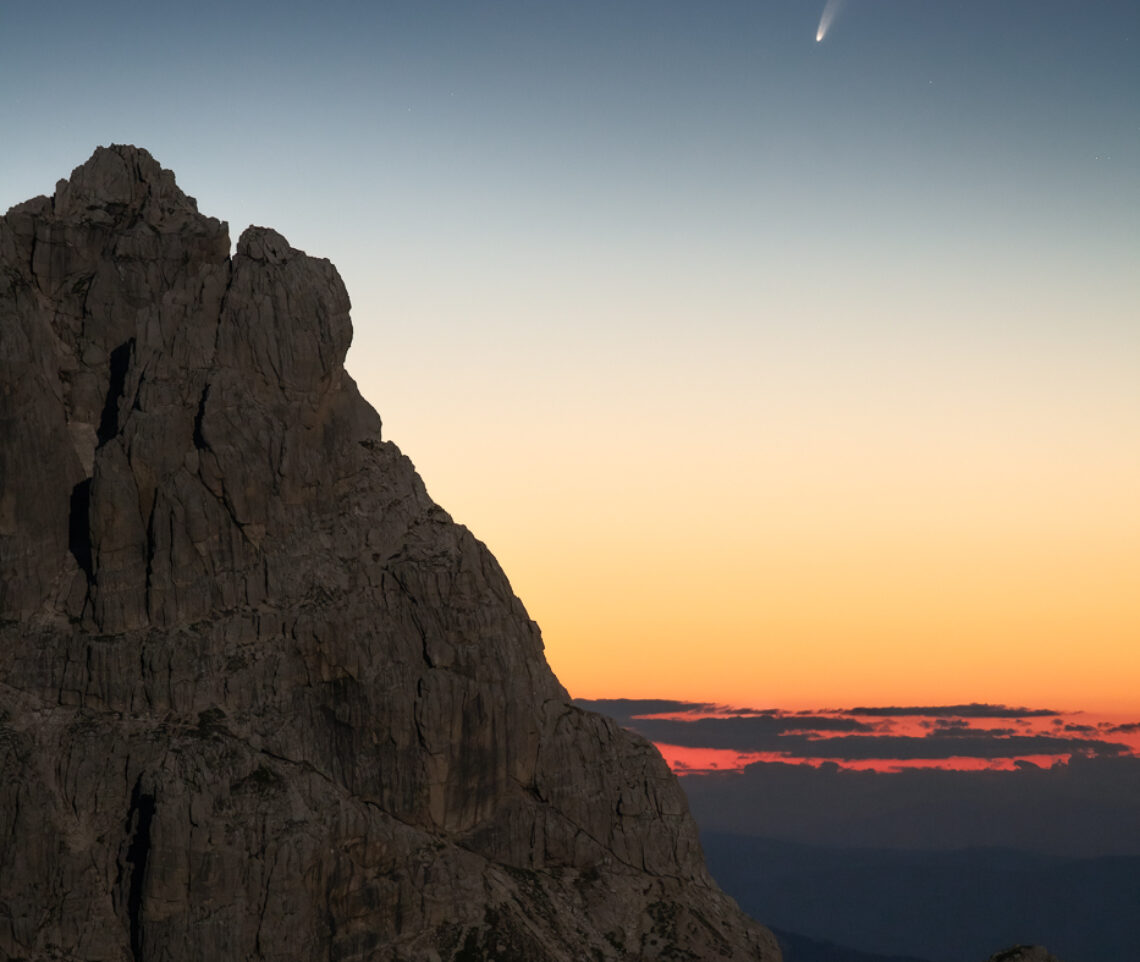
1024	953
260	697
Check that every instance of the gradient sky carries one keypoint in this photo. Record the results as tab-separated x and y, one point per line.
772	371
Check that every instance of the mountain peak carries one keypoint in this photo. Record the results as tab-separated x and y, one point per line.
259	696
122	181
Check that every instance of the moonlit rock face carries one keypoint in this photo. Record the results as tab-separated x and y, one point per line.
260	697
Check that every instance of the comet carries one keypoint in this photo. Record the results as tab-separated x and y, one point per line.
830	10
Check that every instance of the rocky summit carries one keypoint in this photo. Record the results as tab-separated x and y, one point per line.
260	697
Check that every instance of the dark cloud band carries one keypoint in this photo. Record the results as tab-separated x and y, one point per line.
973	710
845	738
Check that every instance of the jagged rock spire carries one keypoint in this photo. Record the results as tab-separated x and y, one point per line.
259	696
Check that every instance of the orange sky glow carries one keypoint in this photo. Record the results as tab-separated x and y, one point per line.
907	523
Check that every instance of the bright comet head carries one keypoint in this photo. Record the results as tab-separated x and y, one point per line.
829	12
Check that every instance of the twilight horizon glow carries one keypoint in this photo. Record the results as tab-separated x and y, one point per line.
772	371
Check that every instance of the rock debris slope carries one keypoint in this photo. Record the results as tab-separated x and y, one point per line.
260	698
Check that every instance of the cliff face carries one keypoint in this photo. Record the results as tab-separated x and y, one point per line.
260	698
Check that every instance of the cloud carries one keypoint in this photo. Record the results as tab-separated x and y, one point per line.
942	744
945	728
973	710
743	733
923	735
1126	728
623	709
768	736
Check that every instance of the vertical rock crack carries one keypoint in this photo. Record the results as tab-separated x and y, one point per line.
138	825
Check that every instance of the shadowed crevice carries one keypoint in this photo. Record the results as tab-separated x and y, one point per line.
139	819
119	363
199	439
79	528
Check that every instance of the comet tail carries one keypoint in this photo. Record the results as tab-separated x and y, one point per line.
828	15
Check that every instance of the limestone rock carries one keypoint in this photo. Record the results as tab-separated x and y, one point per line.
1024	953
261	698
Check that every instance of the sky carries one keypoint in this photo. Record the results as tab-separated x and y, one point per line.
774	371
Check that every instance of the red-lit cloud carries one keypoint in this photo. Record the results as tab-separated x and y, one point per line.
701	737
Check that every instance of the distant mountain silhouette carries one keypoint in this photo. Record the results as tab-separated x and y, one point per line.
943	906
799	948
1085	808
